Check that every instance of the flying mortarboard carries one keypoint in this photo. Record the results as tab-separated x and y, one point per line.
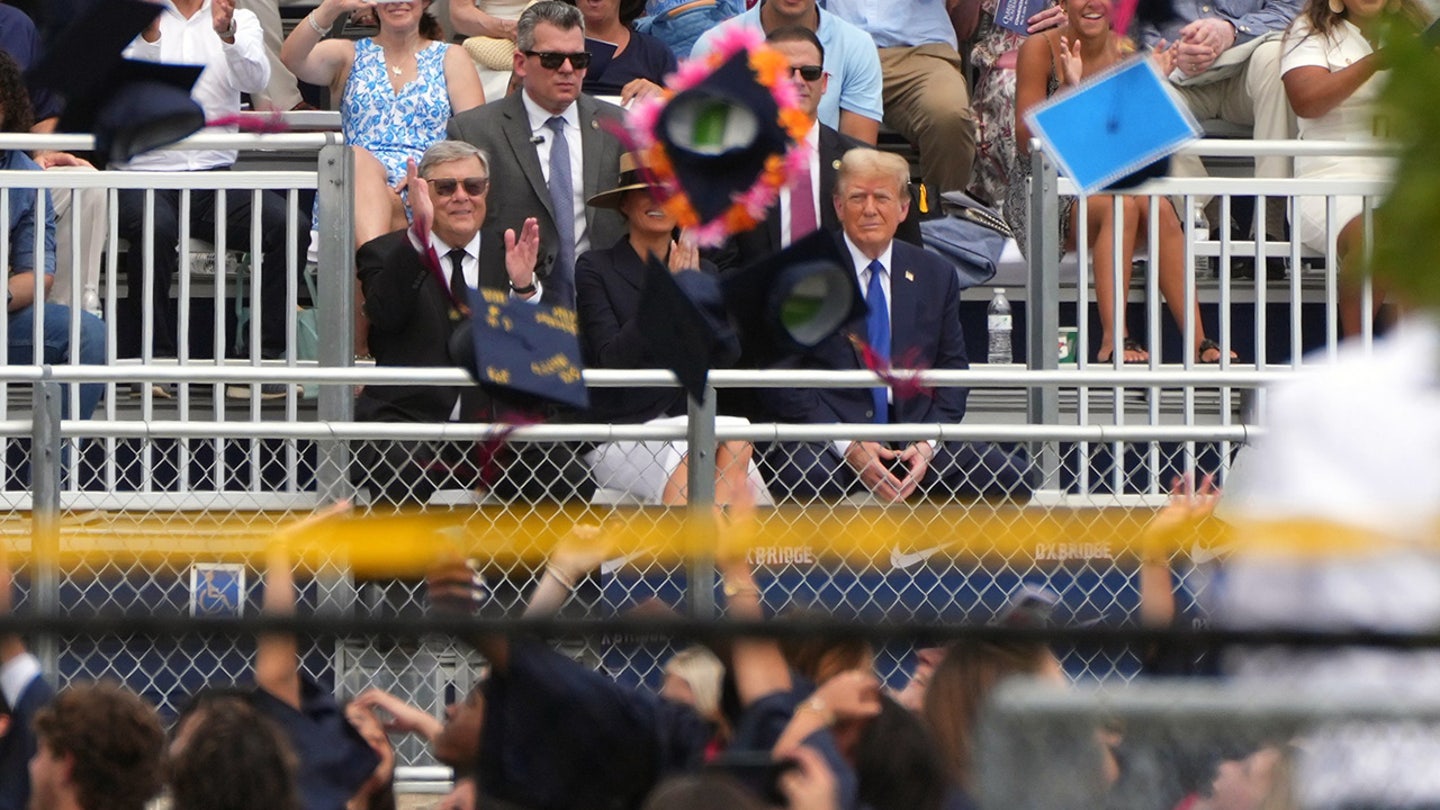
685	326
793	300
721	147
130	106
532	350
1116	129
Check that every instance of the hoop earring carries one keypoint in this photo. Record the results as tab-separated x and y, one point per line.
1337	6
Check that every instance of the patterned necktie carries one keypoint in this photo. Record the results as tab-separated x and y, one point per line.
802	204
562	202
877	325
459	290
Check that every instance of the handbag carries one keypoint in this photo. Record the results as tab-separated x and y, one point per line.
970	235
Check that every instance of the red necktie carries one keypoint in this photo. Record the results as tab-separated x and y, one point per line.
802	204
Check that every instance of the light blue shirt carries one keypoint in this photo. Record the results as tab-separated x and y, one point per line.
893	24
850	58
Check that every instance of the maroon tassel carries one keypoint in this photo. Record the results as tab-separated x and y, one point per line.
906	384
261	124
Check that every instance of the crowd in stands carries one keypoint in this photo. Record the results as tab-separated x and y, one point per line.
803	723
548	159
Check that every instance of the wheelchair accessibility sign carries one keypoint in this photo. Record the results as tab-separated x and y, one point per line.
217	589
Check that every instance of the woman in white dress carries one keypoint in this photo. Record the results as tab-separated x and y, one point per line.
1332	72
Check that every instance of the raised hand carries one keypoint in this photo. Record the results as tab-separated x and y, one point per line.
684	254
422	210
1049	18
1072	67
222	17
522	252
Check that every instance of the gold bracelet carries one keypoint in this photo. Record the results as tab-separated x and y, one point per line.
310	18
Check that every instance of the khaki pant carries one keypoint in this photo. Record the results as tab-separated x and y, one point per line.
282	93
1254	96
927	101
85	210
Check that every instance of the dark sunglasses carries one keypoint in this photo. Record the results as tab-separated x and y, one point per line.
810	73
552	60
474	186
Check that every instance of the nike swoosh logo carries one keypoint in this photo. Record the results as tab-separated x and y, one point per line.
911	559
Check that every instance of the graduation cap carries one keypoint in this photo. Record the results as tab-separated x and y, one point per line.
719	135
795	299
720	147
1116	129
685	325
130	106
529	352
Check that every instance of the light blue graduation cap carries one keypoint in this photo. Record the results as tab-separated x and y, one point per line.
1115	124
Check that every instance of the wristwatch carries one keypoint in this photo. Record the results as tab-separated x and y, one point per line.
229	33
526	290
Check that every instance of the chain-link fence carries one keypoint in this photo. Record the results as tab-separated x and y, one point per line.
161	506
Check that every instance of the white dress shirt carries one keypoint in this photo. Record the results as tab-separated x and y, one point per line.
16	675
542	136
470	265
230	70
812	139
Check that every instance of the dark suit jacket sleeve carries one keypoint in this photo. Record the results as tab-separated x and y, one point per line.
391	274
949	401
607	338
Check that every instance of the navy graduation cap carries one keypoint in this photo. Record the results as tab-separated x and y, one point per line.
685	325
1116	129
522	348
129	105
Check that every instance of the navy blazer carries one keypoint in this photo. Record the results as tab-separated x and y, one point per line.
608	286
924	332
745	248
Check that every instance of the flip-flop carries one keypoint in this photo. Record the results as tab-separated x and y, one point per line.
1128	345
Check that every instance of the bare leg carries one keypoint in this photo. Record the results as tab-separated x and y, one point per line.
1171	272
1101	237
677	489
732	472
1350	244
376	208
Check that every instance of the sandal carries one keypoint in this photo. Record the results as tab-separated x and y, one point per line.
1208	345
1128	346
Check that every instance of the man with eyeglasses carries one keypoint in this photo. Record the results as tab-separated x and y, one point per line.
804	204
551	149
851	100
414	309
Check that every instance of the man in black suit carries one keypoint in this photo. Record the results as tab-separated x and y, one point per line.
413	309
804	203
914	319
527	133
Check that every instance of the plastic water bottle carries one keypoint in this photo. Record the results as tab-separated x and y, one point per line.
1001	326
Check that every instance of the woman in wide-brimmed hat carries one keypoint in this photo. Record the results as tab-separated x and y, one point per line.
609	285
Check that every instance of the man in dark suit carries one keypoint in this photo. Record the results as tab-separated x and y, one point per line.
913	299
804	203
413	311
529	135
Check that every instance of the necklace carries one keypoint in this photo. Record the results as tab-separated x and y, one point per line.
395	69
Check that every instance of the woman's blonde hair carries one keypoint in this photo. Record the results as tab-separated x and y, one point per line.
699	668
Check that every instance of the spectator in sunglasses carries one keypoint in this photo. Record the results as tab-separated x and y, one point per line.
795	217
416	283
551	149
